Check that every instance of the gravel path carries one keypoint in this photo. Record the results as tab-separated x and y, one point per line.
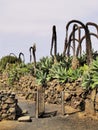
58	122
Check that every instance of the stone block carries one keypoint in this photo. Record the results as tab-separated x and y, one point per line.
89	106
24	119
10	101
93	94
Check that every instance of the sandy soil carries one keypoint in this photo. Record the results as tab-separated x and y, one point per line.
59	122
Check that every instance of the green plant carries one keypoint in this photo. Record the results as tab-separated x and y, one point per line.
94	73
45	64
8	60
40	77
82	59
13	76
30	68
86	81
58	72
73	74
42	70
90	79
16	71
84	69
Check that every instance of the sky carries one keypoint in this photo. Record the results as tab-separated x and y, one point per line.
25	22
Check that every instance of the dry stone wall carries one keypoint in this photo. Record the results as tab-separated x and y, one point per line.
9	108
75	96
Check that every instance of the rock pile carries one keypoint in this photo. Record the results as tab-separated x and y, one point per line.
9	108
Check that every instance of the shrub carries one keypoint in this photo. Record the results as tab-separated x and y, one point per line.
16	71
8	60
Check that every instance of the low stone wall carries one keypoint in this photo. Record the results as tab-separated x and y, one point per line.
9	108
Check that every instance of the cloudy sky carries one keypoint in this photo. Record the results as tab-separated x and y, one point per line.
25	22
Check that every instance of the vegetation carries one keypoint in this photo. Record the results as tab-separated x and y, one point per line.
8	60
47	70
90	78
63	67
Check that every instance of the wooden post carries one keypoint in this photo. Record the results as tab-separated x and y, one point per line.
39	104
36	105
63	106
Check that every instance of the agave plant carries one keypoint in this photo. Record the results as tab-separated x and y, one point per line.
94	73
90	80
84	69
86	81
58	72
82	59
73	74
45	64
41	77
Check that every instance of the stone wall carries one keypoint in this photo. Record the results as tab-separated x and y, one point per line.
9	108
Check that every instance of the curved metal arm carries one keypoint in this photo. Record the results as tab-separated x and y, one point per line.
21	54
12	54
75	28
88	40
54	41
32	50
93	24
93	34
30	54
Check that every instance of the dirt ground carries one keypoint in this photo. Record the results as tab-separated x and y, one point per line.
58	122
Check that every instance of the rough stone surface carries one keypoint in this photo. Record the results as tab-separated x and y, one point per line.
8	106
89	107
75	96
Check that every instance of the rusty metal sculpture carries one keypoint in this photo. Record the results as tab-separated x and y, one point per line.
54	43
93	24
32	50
87	37
12	54
20	57
72	38
91	34
75	62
